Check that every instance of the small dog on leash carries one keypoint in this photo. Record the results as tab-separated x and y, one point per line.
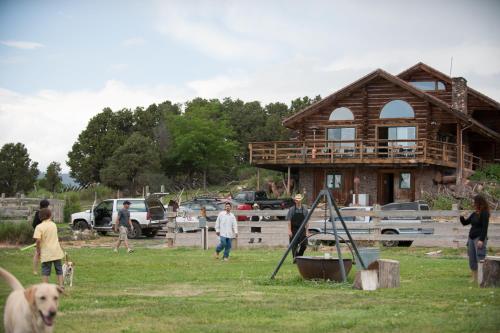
30	310
68	271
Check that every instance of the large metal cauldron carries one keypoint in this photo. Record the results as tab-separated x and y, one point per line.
321	268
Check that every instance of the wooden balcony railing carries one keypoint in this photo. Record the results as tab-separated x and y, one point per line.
359	151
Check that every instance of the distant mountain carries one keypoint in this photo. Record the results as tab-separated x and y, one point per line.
67	180
65	177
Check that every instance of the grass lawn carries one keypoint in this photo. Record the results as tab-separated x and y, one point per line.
186	290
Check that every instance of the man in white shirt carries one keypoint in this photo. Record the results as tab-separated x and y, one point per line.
226	228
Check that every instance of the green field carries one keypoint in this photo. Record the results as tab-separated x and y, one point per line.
186	290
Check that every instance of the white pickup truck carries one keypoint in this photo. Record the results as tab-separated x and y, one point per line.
148	216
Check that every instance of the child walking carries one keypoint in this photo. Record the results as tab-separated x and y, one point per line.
48	249
36	221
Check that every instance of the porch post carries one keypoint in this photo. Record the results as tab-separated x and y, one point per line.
258	179
288	183
459	154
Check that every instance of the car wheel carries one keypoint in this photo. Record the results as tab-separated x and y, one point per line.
81	225
136	232
390	243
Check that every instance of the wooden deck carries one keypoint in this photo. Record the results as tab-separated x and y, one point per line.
379	152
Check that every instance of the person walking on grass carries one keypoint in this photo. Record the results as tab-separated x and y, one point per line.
295	217
122	222
226	228
478	234
36	221
48	249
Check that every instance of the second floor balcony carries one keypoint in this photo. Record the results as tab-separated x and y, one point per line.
372	152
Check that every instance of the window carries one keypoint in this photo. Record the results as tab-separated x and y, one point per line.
428	85
334	181
341	113
402	133
340	134
397	109
405	180
440	86
135	205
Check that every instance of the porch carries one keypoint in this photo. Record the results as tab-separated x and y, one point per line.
373	152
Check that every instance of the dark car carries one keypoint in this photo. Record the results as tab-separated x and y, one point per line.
260	197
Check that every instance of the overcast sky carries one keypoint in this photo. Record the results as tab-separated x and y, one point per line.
62	62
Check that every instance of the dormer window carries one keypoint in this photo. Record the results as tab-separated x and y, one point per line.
341	113
397	109
428	85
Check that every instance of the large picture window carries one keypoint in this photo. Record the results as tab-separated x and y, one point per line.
402	133
340	135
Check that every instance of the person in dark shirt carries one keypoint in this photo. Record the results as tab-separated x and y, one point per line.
36	221
295	217
478	234
122	222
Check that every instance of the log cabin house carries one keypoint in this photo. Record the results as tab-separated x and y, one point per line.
387	138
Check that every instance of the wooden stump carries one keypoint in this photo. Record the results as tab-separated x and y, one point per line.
491	272
366	280
388	272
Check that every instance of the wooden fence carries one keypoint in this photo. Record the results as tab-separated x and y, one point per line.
447	230
23	209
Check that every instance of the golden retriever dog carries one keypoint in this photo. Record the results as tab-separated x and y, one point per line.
68	271
31	310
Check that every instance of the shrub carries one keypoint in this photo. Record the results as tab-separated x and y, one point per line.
16	232
71	205
489	172
102	192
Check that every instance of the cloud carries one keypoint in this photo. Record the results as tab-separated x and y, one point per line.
21	44
134	41
204	27
49	122
484	60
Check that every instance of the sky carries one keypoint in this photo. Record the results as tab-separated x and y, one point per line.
62	62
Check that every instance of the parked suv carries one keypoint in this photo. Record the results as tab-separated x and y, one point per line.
147	215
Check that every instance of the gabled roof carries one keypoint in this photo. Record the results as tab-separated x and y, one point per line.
379	73
443	77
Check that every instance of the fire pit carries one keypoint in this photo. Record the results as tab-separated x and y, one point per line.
321	268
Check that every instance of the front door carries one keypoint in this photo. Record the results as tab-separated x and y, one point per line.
340	184
386	188
318	182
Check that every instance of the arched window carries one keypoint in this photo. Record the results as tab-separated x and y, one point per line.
341	113
397	109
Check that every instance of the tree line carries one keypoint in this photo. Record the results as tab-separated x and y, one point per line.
198	143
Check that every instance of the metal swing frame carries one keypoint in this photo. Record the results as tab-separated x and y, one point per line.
331	206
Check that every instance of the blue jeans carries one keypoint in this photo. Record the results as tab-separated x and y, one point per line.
225	243
475	254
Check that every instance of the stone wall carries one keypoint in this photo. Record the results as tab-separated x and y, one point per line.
459	94
306	183
368	183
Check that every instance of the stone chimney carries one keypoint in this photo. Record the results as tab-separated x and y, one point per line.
459	94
